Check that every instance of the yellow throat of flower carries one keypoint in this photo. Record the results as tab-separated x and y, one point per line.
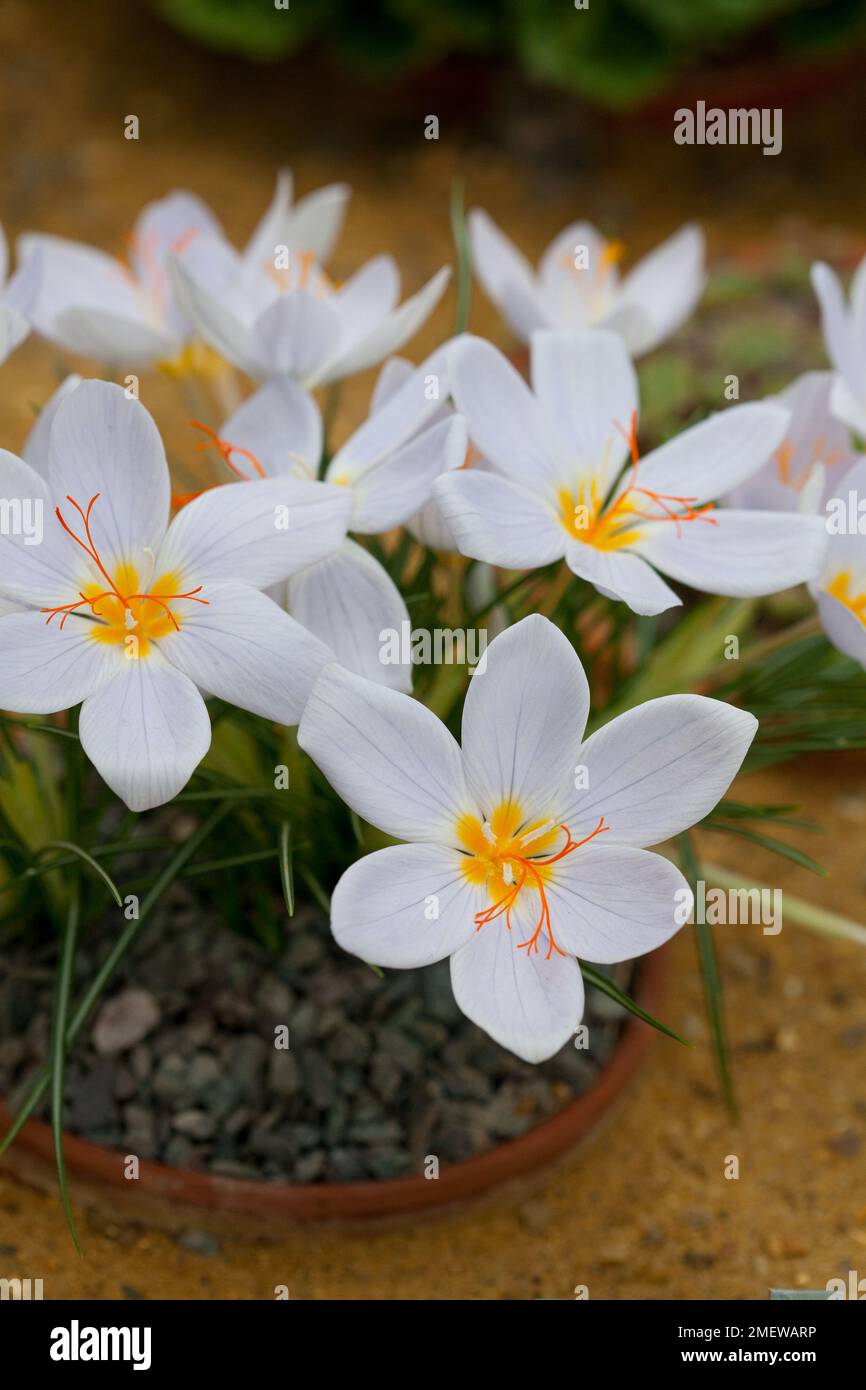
125	611
516	859
846	589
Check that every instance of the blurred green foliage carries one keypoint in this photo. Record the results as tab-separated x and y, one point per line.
614	52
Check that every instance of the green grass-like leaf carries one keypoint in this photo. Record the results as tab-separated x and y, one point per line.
286	870
62	993
711	982
607	986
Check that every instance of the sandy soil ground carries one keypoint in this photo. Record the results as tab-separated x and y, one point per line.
646	1211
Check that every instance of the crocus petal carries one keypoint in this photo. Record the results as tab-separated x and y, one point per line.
395	329
39	564
847	407
845	630
847	354
529	1004
74	277
410	407
506	275
103	442
560	256
351	603
317	219
430	528
35	451
615	902
257	533
222	327
506	422
281	425
145	731
296	333
168	225
366	297
741	554
243	648
387	494
666	285
387	756
392	375
45	668
273	229
496	520
113	338
312	224
658	769
813	440
14	328
523	721
405	906
709	459
586	385
620	575
846	549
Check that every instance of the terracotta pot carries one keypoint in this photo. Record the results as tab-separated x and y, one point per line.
170	1196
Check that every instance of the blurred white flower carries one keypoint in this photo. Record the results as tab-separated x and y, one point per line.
127	313
578	285
515	865
135	617
815	451
840	591
559	484
281	315
844	327
16	300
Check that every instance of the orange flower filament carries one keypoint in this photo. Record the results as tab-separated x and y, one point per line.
121	613
514	861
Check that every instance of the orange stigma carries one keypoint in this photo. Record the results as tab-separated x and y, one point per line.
689	513
121	604
535	870
225	449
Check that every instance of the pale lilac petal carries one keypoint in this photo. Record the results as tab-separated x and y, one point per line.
523	720
387	756
405	906
145	731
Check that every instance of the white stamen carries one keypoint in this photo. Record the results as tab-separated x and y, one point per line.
147	578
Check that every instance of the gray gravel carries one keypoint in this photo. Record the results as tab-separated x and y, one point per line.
179	1062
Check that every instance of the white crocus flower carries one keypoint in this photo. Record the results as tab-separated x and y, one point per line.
815	451
119	312
577	284
840	592
134	616
16	299
282	316
387	469
844	327
562	485
525	844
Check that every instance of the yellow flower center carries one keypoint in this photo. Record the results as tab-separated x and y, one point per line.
845	588
123	612
511	856
618	524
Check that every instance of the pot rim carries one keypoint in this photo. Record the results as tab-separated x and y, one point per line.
311	1202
